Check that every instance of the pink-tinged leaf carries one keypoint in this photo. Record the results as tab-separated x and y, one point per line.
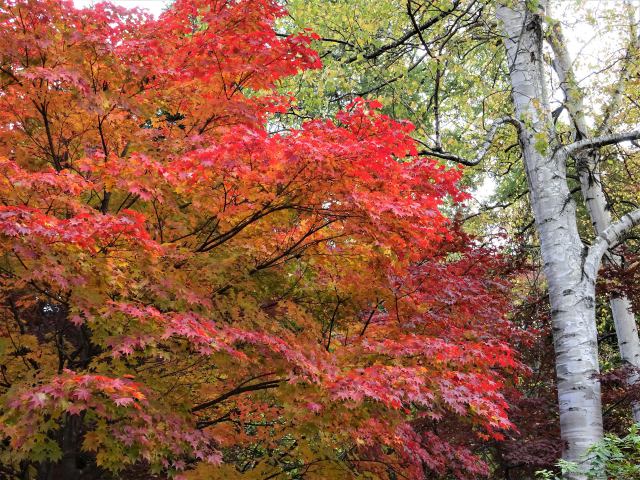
314	407
123	401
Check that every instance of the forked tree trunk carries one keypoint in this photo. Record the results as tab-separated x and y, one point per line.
571	292
596	204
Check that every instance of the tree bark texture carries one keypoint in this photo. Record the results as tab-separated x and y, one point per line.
571	292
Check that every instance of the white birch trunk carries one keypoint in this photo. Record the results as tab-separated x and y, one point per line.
623	316
627	332
571	293
596	204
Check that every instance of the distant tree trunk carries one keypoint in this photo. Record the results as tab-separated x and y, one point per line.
67	467
69	440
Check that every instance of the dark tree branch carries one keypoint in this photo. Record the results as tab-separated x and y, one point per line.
414	31
240	389
483	150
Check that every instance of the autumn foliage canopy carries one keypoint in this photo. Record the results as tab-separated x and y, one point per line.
187	290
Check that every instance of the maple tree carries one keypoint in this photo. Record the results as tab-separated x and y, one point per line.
514	88
183	285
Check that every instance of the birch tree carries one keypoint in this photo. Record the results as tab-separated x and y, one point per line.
587	163
570	266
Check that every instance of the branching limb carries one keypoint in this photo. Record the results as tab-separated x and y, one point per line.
439	74
414	31
242	388
602	141
609	239
483	150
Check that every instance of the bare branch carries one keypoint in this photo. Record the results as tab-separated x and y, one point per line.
483	150
563	67
268	384
600	141
609	239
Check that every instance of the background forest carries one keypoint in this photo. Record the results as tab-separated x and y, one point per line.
319	239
